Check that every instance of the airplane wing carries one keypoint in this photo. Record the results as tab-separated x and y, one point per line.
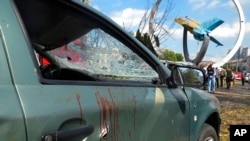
215	41
212	24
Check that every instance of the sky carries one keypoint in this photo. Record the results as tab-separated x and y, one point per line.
128	13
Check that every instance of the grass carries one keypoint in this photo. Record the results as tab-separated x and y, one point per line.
234	116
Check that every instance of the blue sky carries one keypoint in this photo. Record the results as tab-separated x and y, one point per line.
128	13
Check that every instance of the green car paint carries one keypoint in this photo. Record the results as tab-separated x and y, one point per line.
34	107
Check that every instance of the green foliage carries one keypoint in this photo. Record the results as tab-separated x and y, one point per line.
179	57
172	56
145	39
189	76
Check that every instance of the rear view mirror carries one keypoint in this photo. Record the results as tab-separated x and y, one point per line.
187	76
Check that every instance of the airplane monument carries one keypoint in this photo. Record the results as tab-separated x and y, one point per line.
200	32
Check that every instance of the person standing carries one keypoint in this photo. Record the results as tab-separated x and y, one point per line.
222	76
217	74
229	78
242	75
211	79
233	78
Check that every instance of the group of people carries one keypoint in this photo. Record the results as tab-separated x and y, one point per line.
216	77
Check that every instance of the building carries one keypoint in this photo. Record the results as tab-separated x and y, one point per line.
241	60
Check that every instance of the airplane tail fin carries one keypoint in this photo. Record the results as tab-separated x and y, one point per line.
212	24
215	41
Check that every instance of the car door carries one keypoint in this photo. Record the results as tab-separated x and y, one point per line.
120	102
105	87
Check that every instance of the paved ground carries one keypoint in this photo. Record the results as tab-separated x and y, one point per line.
237	89
236	97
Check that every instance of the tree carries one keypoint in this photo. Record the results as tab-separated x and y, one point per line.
145	39
179	57
189	75
166	55
172	56
156	21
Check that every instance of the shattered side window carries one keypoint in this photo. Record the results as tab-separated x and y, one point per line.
101	55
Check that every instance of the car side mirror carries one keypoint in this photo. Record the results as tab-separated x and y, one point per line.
187	76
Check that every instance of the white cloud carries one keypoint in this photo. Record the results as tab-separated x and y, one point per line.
213	3
117	4
229	4
213	58
230	31
244	2
247	28
201	4
178	33
226	31
197	4
128	17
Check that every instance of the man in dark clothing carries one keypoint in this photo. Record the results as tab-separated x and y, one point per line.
243	75
229	77
211	79
217	74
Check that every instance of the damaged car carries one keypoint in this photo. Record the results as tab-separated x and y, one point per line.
98	82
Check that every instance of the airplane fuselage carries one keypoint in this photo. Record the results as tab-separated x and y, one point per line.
187	23
199	30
